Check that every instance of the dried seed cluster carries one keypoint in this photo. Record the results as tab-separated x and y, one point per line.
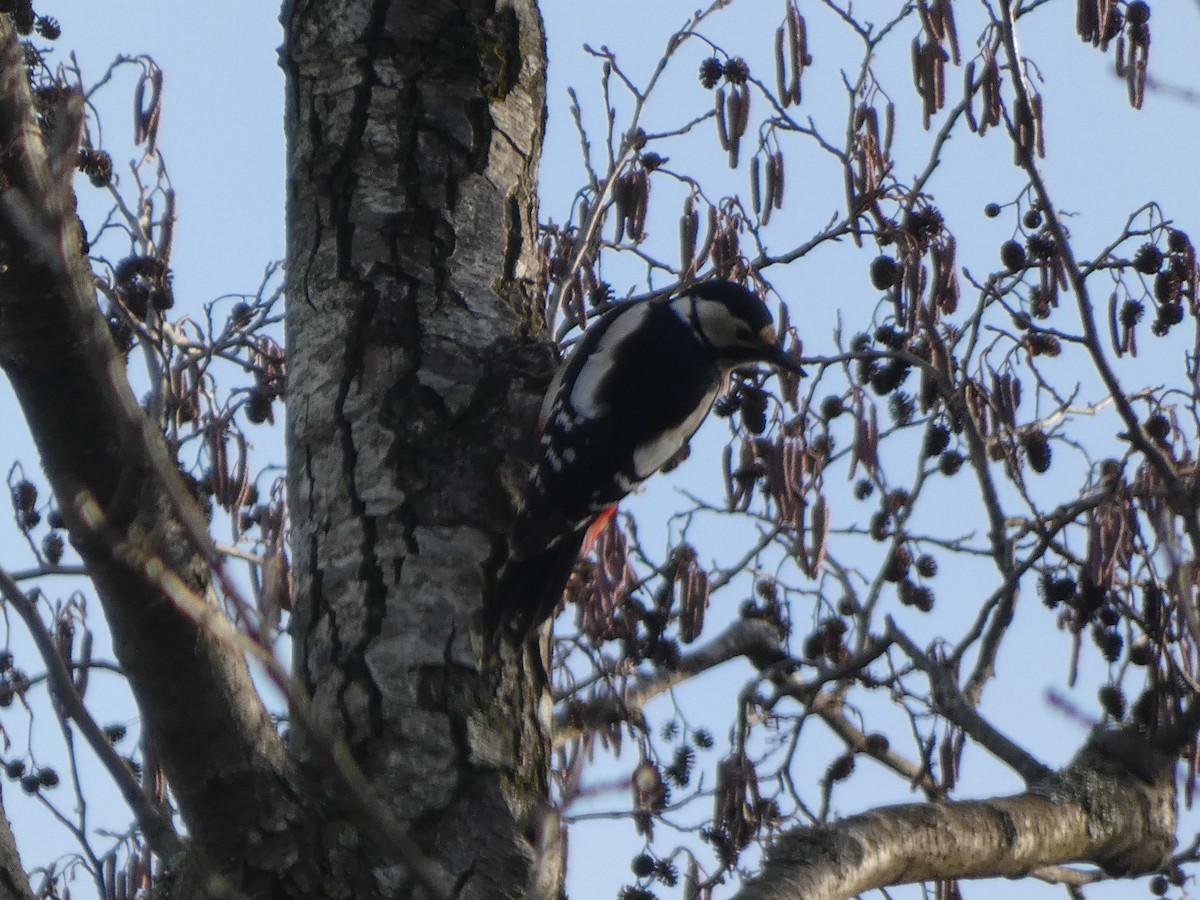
791	55
930	54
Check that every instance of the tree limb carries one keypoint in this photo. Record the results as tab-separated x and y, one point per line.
754	639
1113	806
106	465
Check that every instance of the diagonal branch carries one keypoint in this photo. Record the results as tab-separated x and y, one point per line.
950	702
754	639
106	464
155	825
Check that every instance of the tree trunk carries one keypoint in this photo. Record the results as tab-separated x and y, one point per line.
414	133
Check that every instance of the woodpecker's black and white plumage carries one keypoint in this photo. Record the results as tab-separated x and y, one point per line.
627	399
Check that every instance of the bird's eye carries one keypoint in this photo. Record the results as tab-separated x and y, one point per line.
743	333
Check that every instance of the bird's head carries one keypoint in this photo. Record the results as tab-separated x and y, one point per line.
735	323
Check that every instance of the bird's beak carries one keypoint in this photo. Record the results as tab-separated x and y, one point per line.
775	354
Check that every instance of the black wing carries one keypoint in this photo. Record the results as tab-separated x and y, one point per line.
609	423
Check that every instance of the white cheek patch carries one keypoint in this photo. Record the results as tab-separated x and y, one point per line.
584	397
715	324
718	324
649	458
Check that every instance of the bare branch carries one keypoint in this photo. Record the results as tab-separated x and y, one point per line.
754	639
57	352
154	822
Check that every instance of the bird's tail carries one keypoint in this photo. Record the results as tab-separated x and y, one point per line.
529	588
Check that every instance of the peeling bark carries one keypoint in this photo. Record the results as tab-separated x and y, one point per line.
414	136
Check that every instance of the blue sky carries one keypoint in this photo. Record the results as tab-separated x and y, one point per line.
223	140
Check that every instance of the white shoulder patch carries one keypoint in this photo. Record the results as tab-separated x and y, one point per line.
584	397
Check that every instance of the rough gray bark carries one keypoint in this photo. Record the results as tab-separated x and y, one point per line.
13	883
1114	806
117	486
414	135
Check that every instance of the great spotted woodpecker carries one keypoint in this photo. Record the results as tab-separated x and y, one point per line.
627	399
